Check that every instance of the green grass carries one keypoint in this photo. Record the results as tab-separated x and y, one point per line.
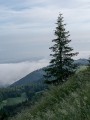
13	101
70	101
81	68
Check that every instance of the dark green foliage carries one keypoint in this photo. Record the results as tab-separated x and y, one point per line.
13	99
3	114
69	101
89	62
22	92
61	64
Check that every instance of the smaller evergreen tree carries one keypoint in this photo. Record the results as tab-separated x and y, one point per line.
61	64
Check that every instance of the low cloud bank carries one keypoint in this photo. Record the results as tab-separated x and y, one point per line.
9	73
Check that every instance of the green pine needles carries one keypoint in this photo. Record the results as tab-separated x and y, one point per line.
89	62
61	64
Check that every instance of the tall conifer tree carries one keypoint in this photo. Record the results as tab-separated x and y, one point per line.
61	64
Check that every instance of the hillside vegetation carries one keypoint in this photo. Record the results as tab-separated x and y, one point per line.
69	101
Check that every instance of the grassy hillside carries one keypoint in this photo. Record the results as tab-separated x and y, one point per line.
27	89
70	101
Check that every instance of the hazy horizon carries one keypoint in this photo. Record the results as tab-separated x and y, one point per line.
11	72
27	30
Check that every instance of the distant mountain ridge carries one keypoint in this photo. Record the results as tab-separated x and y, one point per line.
36	77
33	77
81	62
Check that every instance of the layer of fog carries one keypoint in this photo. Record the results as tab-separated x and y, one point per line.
9	73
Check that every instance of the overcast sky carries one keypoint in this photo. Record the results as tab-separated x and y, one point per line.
27	28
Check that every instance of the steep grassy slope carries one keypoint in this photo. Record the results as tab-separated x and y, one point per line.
70	101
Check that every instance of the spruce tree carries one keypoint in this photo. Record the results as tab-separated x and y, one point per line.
61	64
89	62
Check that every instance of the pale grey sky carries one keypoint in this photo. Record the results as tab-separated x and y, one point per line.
27	27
